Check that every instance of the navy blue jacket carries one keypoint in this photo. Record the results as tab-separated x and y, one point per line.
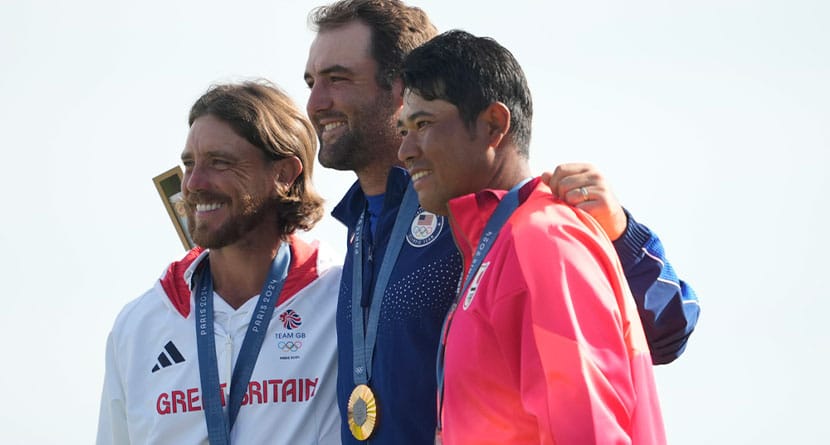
420	291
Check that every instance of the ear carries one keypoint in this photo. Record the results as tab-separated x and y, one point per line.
496	118
397	92
286	171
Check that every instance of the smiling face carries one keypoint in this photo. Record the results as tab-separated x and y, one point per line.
228	185
445	157
353	116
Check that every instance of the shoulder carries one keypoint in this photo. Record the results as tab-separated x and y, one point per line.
313	258
545	221
328	260
134	316
314	266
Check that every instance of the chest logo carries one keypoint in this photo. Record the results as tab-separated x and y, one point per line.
290	341
169	356
424	229
290	319
471	293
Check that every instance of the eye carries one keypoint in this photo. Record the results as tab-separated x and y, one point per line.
220	164
188	164
402	130
336	79
421	124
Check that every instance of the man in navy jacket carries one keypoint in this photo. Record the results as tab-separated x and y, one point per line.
389	318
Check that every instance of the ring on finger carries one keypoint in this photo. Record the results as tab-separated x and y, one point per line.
584	192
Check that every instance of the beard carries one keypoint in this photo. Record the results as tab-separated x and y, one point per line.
255	212
371	136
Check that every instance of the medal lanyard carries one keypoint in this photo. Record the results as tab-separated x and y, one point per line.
218	425
505	208
363	337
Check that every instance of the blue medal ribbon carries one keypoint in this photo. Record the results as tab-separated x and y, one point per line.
505	208
363	337
219	426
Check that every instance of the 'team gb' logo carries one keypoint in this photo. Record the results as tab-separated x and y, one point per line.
290	319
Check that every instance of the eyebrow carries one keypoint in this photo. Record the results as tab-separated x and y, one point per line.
414	116
215	153
330	70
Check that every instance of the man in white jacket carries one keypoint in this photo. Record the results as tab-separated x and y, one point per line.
236	342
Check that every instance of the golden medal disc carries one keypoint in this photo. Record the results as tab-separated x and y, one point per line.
363	412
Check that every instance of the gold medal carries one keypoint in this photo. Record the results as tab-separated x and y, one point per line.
363	412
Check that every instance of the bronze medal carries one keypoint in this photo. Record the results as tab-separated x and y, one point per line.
363	412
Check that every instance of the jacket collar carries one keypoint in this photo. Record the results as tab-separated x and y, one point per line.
177	281
468	215
348	210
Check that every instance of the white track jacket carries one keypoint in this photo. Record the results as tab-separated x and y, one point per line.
152	391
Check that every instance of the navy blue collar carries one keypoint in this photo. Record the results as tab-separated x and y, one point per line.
349	209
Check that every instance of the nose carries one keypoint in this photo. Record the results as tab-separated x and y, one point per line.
408	149
195	179
319	99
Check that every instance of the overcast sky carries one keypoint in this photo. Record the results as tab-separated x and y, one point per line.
710	118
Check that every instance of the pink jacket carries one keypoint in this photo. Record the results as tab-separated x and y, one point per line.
545	346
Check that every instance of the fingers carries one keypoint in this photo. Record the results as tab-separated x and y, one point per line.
546	177
586	188
583	186
570	188
577	195
580	195
566	177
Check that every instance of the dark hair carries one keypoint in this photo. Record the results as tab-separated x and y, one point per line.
396	30
471	73
267	118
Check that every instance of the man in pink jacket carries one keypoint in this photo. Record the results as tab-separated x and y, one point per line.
543	344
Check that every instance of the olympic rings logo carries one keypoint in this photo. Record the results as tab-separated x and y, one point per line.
421	232
424	229
290	346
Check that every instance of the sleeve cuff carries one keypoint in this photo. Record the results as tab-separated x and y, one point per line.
630	245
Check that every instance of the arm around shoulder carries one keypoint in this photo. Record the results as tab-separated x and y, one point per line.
667	305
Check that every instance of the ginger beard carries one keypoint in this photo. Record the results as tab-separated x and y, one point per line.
253	212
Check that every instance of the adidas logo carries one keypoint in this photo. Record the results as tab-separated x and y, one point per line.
172	353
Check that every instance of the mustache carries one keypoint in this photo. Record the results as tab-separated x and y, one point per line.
320	115
203	197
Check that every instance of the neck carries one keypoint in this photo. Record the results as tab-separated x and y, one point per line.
373	178
509	174
239	271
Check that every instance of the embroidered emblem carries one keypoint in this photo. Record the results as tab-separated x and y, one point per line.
471	293
290	319
290	341
169	356
424	229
